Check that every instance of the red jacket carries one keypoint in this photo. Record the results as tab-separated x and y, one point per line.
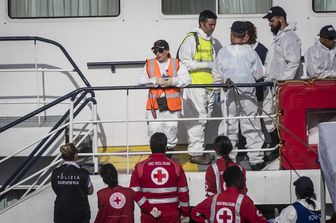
160	182
214	183
224	207
115	205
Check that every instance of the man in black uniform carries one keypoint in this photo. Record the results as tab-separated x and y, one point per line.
72	186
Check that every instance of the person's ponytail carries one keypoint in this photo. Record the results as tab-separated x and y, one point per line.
227	159
310	202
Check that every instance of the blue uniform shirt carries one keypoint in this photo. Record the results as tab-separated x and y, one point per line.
305	215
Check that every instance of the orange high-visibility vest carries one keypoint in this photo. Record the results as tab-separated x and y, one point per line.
173	95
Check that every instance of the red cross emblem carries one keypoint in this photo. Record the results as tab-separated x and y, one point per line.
117	200
224	215
159	175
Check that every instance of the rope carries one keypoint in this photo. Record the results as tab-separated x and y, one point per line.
277	123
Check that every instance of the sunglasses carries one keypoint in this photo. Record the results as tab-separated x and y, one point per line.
157	50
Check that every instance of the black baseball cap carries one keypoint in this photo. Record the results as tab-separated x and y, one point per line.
328	32
161	44
239	27
304	185
275	11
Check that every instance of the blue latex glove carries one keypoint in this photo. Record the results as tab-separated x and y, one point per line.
217	98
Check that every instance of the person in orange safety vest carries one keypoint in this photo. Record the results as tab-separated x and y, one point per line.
160	186
164	102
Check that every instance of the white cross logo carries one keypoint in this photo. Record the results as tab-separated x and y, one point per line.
159	175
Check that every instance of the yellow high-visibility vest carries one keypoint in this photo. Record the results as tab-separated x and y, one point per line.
204	53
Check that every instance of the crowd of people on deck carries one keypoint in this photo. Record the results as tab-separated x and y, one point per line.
158	184
202	60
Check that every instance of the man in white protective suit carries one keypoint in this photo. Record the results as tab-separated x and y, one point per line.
321	58
239	63
283	59
197	53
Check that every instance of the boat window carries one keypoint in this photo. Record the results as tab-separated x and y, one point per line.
62	9
244	6
324	5
187	7
194	7
314	118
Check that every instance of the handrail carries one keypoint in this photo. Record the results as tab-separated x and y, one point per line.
40	149
54	160
33	157
43	108
46	142
113	64
37	38
91	90
33	143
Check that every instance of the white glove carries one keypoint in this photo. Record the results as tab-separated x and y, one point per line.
166	82
157	81
228	84
155	212
185	219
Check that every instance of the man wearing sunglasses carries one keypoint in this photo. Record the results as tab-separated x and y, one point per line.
321	58
164	102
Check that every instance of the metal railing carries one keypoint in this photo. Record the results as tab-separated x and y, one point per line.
114	64
49	41
50	138
45	142
76	98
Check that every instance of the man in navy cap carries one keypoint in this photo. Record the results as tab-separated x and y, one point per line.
306	208
283	58
321	58
241	64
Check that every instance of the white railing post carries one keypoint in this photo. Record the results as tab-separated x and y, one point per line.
95	137
127	143
71	117
37	84
323	198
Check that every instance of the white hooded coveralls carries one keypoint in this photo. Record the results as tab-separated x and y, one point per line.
241	64
197	102
320	61
282	63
